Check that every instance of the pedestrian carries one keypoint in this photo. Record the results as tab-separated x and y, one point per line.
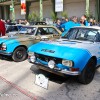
95	22
63	20
26	22
2	28
8	22
84	20
91	22
58	25
73	22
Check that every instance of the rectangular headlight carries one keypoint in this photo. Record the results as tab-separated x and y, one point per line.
67	63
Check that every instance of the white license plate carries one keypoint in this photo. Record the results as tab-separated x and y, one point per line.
41	81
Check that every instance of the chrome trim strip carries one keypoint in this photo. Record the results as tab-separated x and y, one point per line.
44	67
5	53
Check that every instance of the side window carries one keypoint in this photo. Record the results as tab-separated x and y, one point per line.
41	31
9	29
52	31
97	37
46	31
14	28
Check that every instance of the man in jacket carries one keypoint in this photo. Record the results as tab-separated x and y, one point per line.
2	28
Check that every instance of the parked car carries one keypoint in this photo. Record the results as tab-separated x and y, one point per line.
77	53
38	23
13	29
16	45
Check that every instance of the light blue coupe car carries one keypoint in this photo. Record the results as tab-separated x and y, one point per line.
77	53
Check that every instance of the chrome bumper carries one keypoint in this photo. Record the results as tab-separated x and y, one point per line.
5	53
57	70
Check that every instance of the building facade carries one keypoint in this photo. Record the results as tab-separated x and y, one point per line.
71	7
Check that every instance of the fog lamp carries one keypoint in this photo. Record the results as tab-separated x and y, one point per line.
51	64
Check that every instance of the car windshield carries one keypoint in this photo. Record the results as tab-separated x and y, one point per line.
11	28
82	34
27	30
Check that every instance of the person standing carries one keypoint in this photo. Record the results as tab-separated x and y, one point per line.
84	20
27	23
58	25
2	28
70	24
73	22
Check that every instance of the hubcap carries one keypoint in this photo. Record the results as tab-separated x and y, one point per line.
19	54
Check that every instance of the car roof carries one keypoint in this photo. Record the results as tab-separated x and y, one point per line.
39	26
92	27
14	25
43	27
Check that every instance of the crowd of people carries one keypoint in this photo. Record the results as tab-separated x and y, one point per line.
3	24
63	24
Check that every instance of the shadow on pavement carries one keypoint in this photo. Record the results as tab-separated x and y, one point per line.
53	77
3	57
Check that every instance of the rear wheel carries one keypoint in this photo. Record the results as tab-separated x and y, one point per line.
88	72
19	54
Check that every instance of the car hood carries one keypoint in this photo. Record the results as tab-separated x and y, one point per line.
6	39
60	49
14	38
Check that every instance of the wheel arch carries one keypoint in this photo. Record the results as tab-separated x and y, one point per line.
21	46
20	56
94	58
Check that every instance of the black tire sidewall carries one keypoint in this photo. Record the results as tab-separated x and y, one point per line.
23	57
83	76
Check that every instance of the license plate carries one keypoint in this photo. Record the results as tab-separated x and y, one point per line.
41	81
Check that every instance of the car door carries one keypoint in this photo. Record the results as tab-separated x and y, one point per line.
97	45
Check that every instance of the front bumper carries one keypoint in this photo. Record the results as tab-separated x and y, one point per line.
5	53
57	70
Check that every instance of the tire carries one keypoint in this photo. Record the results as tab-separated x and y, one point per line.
19	54
88	72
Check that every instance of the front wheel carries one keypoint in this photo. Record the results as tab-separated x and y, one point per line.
19	54
88	72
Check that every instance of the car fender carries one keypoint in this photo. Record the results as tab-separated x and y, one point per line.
11	45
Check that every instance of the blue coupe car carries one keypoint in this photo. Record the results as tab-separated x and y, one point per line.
77	53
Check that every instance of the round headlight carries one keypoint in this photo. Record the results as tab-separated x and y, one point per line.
67	63
4	46
33	58
51	64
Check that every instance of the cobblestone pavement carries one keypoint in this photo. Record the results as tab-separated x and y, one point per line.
22	75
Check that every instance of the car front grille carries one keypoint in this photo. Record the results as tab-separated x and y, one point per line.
48	58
